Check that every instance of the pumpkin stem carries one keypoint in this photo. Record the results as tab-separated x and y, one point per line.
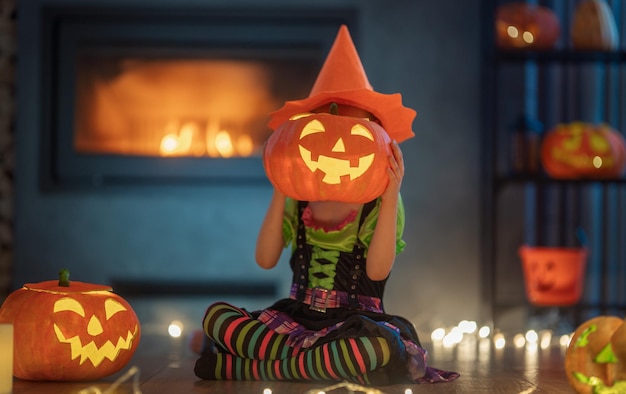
64	278
334	109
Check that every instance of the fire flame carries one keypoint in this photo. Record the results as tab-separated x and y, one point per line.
188	140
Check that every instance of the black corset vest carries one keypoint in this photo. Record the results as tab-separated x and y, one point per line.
350	274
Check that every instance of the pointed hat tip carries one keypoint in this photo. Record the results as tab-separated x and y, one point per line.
342	70
343	30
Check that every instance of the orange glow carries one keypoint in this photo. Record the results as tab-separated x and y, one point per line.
179	143
245	145
190	142
224	144
195	107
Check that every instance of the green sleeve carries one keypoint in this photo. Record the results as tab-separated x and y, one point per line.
369	225
290	221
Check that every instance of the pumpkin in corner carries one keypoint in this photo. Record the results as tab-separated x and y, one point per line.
69	331
595	361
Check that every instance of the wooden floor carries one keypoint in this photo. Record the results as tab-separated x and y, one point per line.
483	370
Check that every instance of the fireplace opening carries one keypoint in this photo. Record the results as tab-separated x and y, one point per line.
162	95
213	108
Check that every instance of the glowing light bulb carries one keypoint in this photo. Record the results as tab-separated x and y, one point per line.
408	391
564	340
453	337
175	329
512	31
438	334
468	327
519	341
531	336
267	391
499	341
546	339
484	332
528	37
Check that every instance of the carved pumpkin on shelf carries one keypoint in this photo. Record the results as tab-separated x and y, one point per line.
69	331
553	276
595	361
583	150
520	25
593	26
328	157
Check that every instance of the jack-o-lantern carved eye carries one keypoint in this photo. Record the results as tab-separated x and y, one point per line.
299	116
599	144
111	307
69	304
313	127
359	129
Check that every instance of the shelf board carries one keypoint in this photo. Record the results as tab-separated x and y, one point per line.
560	56
503	180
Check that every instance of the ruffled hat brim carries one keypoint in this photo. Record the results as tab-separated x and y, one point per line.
395	118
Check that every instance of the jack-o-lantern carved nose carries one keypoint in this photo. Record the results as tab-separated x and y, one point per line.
94	327
339	146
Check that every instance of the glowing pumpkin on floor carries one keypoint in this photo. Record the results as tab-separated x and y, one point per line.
69	331
522	25
328	157
583	150
595	361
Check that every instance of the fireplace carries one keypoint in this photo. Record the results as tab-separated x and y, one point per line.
135	96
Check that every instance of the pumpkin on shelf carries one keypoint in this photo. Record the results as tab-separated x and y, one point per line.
583	150
520	25
593	26
69	331
553	276
327	156
595	360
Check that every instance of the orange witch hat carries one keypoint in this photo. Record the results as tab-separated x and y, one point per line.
342	79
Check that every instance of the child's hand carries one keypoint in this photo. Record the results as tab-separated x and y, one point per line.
395	172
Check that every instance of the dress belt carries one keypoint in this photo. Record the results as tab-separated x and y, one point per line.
320	299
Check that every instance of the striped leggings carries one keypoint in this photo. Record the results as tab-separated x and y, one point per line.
250	350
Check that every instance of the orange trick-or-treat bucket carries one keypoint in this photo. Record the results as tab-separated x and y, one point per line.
553	276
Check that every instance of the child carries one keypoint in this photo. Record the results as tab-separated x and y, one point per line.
333	326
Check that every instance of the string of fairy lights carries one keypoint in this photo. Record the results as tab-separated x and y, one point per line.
468	330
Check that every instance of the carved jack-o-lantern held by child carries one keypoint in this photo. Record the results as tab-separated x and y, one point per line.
336	168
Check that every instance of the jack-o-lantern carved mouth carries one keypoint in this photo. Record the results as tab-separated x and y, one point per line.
91	351
581	160
332	167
